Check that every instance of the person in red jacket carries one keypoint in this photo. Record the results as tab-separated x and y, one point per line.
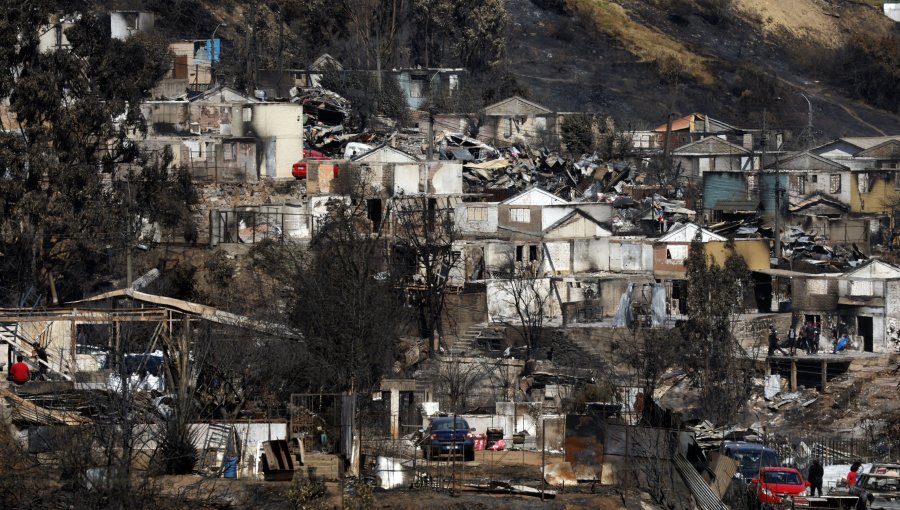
19	372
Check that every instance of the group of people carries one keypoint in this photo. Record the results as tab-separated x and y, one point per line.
20	372
805	338
816	473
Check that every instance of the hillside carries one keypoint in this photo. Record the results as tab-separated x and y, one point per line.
605	56
633	59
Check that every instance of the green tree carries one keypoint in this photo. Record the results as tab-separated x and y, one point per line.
76	190
712	355
577	133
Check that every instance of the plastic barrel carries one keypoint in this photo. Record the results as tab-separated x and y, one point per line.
230	470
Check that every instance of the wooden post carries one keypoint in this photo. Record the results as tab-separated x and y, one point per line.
824	374
793	374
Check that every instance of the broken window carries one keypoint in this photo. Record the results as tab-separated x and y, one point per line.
814	178
373	207
863	182
798	184
520	250
228	152
835	183
476	213
676	253
131	20
417	86
752	182
520	215
532	253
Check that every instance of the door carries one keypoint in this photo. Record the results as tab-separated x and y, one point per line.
864	329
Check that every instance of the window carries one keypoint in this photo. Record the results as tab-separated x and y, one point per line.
676	253
752	182
520	215
835	183
519	251
416	86
228	152
532	253
798	184
476	213
896	180
860	288
814	178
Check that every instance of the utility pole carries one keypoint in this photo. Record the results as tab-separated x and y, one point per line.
808	135
777	207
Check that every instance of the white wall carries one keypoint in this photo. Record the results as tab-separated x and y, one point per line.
406	179
501	302
280	127
466	226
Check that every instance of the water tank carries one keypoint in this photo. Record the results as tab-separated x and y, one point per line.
295	226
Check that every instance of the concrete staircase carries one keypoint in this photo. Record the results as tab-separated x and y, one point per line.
463	343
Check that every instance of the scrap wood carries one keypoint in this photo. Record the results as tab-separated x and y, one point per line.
507	488
37	414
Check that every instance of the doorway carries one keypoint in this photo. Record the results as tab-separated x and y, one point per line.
864	329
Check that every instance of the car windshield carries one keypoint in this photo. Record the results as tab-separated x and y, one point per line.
782	477
752	460
882	484
448	425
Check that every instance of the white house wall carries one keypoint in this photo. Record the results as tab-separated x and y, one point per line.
406	179
445	178
501	303
590	255
487	226
557	258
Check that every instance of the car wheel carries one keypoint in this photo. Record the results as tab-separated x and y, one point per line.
469	454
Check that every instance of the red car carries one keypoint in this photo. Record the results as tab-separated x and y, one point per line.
300	168
774	484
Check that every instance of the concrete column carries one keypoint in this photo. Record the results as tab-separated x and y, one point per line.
824	374
793	374
395	413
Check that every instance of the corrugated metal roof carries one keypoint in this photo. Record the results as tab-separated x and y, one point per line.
706	498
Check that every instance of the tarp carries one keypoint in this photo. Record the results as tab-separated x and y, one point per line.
493	164
658	305
623	316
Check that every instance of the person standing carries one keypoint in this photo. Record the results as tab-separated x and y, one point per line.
792	341
19	371
817	334
773	342
815	475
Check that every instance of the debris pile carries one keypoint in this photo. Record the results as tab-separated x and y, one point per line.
799	246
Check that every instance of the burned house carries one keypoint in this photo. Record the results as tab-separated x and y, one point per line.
863	303
517	120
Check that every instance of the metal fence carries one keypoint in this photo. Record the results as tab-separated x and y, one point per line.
251	226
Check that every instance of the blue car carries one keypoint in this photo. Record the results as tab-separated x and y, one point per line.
450	436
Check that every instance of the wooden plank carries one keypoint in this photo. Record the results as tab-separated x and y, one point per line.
38	414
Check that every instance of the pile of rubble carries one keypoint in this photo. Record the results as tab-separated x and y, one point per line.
799	246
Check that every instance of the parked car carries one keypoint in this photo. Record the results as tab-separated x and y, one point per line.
777	484
448	435
299	169
750	457
881	491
